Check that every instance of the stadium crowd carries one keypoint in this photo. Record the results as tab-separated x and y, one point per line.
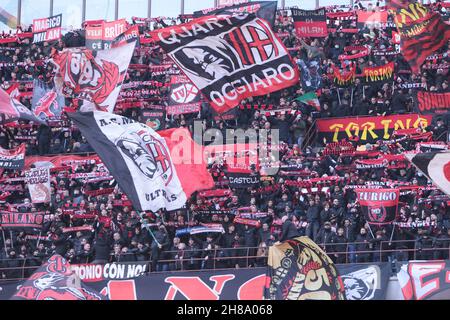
326	211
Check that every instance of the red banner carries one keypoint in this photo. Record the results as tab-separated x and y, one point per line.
379	206
310	23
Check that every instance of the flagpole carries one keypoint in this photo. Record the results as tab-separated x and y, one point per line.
39	239
339	96
141	214
392	233
12	241
370	229
4	240
351	99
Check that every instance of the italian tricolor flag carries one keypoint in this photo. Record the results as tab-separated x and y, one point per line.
311	99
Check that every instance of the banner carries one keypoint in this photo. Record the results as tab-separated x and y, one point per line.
229	58
109	271
47	29
432	102
368	129
129	36
265	10
242	180
311	74
38	182
380	74
93	77
372	19
425	280
298	269
344	79
422	32
310	23
141	162
184	97
154	117
361	281
21	220
55	281
13	159
365	281
379	206
46	103
99	36
435	166
12	110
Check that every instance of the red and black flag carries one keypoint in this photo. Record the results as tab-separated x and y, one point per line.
13	159
422	32
229	58
379	74
435	165
310	23
21	220
432	102
263	9
345	78
379	206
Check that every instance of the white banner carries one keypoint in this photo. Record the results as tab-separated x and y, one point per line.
38	181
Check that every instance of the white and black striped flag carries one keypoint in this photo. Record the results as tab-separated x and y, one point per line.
435	165
141	160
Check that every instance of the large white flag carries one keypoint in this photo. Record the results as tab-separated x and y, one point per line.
140	160
94	77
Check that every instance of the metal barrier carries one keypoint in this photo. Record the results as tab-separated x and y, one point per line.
246	257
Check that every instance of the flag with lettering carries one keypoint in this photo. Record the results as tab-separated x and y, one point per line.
47	29
38	182
422	31
379	74
13	159
154	169
229	58
379	206
184	97
310	23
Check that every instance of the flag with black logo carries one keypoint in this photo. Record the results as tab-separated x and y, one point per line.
142	162
12	110
435	165
92	77
229	58
184	97
378	74
13	159
154	117
46	102
379	206
422	32
298	269
365	281
310	23
263	9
